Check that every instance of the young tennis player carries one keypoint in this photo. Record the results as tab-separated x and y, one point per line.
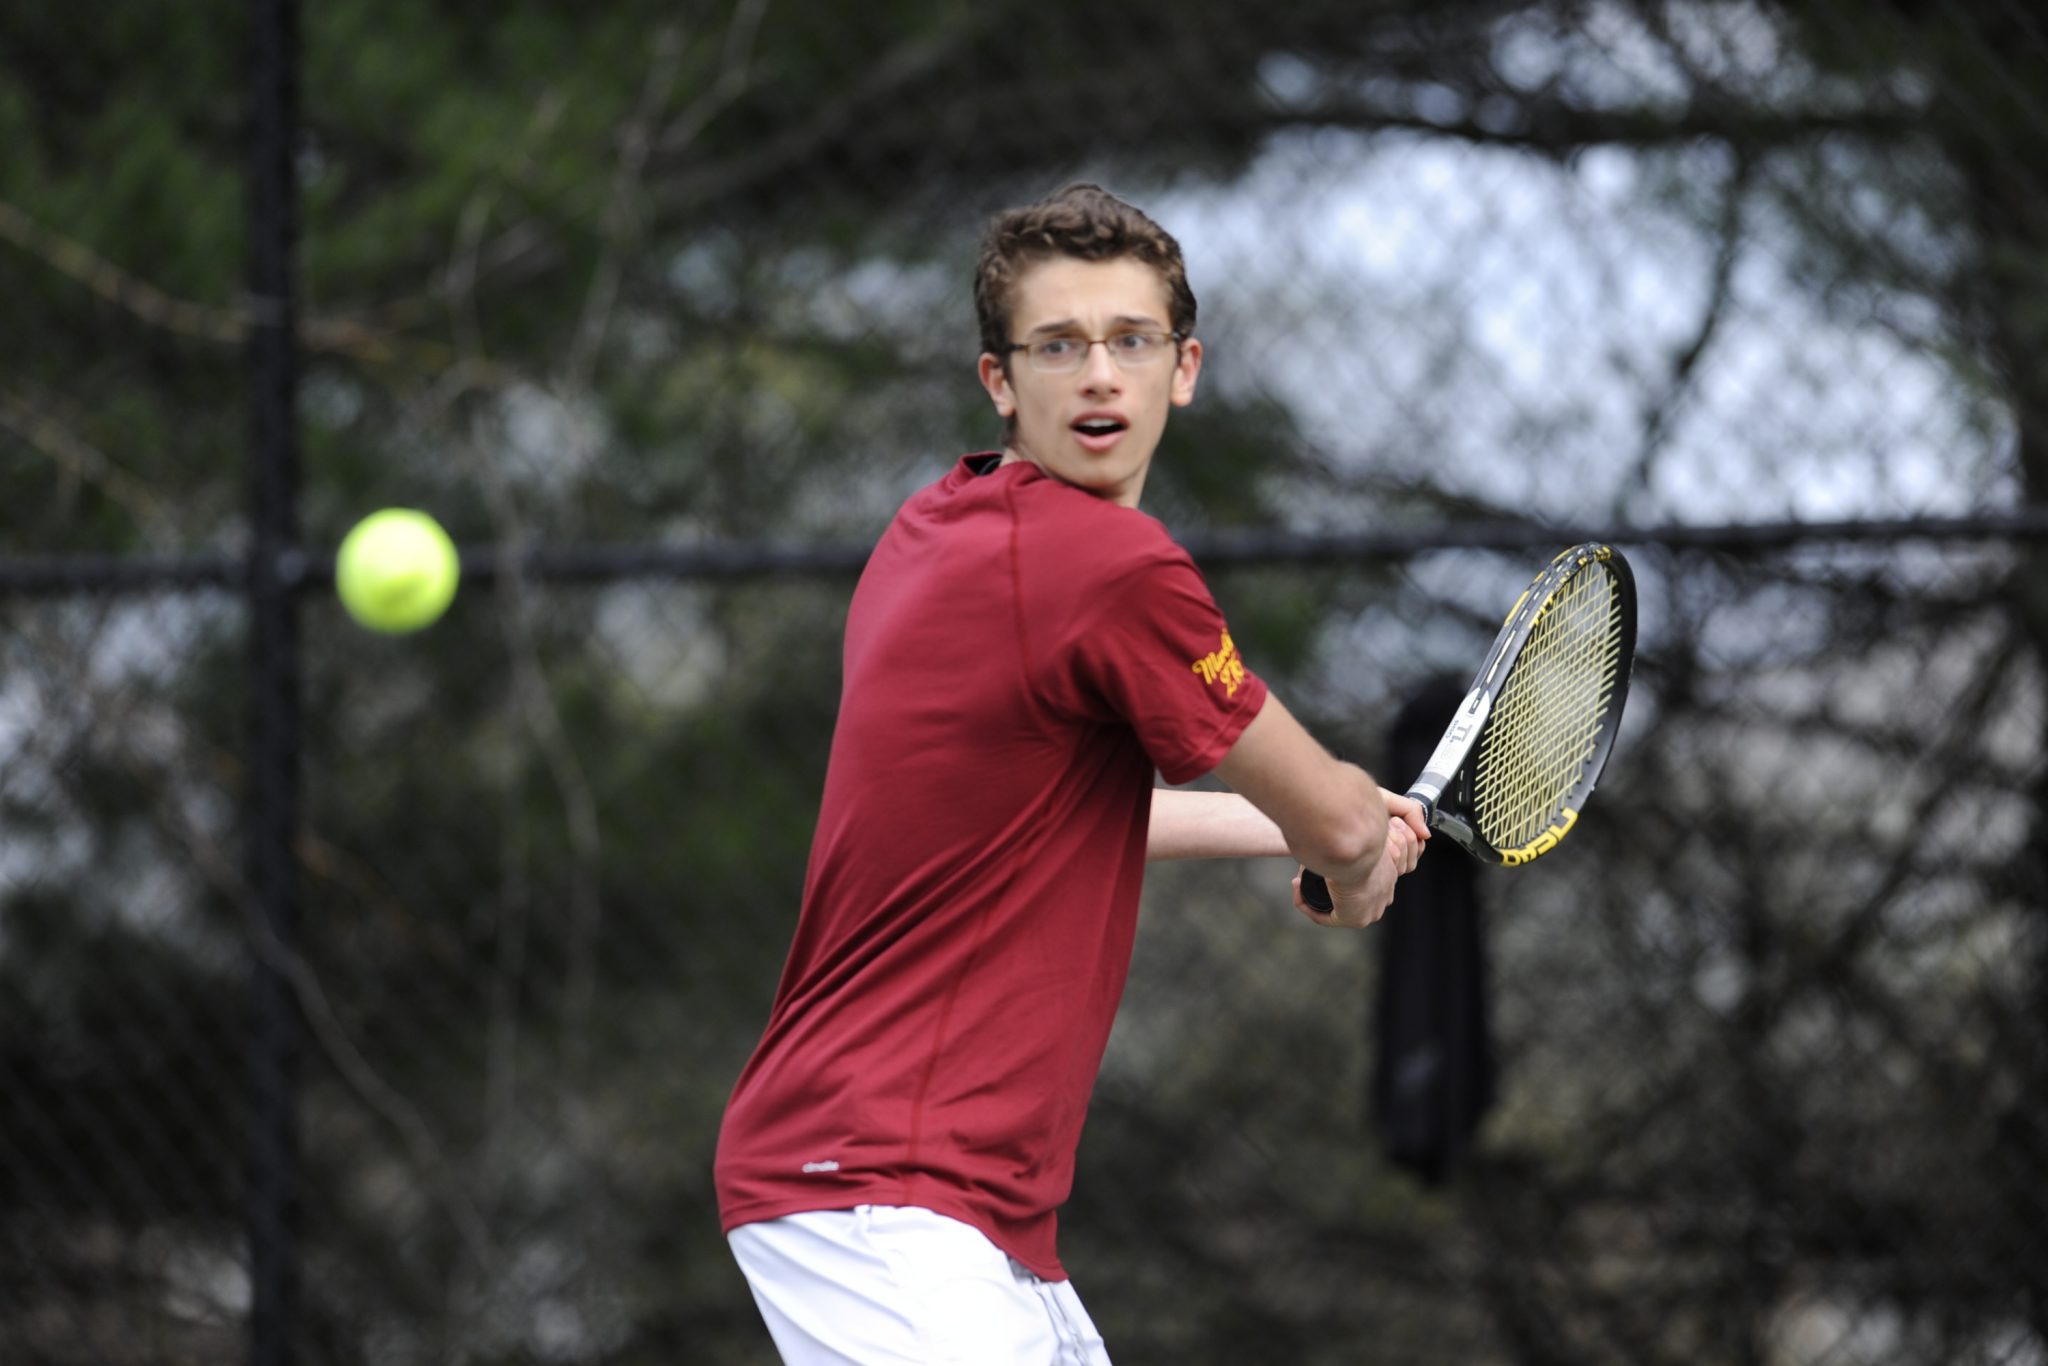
1025	651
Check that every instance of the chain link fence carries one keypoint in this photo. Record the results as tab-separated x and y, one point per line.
663	309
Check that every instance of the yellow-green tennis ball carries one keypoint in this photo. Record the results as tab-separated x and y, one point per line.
397	571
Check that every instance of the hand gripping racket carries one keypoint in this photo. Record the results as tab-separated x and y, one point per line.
1521	755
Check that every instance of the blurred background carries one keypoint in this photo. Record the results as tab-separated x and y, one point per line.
373	1000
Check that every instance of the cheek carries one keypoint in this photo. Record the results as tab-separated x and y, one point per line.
1037	409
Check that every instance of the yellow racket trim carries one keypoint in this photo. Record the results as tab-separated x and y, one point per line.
1545	728
1543	843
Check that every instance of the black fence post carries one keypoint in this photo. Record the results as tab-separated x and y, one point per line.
275	566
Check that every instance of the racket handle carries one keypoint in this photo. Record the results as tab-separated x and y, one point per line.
1316	892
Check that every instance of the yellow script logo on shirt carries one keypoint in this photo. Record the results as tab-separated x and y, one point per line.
1223	667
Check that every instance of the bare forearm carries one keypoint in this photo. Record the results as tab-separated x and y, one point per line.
1187	825
1363	797
1330	811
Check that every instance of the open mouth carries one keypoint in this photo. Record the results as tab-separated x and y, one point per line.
1099	433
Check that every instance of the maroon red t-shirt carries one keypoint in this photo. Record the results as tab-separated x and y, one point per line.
1020	657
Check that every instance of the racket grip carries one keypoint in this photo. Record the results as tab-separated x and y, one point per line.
1316	892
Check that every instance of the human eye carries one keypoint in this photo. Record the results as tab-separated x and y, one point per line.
1056	348
1135	343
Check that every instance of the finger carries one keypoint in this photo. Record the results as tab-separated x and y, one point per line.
1342	912
1320	917
1414	852
1353	911
1408	812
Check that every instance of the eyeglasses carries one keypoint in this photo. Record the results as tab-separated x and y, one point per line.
1065	355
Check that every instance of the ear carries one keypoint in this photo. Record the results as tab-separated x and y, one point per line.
997	381
1186	371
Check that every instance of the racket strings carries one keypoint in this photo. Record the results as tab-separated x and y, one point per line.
1546	724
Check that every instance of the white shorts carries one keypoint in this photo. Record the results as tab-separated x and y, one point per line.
888	1285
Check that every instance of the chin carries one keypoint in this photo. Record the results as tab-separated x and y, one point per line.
1108	475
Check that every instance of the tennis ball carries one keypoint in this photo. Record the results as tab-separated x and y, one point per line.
397	571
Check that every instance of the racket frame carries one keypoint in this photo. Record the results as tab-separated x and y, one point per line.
1446	770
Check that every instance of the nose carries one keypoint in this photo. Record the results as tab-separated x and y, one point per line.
1099	371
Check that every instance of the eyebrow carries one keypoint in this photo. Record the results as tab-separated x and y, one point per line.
1064	325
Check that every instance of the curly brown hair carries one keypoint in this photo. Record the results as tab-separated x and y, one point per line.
1081	220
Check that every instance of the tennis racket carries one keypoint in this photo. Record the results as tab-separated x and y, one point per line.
1521	755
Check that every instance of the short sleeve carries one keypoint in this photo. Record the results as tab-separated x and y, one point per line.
1158	654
